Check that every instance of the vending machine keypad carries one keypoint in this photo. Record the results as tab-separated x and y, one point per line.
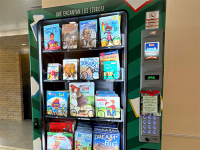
150	128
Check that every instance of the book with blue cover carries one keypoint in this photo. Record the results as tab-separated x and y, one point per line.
110	30
106	140
52	37
57	103
83	136
88	33
89	68
111	70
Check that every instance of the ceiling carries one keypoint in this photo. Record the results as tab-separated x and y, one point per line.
13	16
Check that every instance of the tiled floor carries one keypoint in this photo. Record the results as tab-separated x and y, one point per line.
16	135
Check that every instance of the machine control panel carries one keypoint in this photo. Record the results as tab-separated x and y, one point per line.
150	128
151	81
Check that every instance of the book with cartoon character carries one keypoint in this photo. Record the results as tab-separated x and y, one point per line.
109	56
88	33
70	68
110	30
82	99
89	68
70	35
107	107
59	141
53	70
57	103
52	37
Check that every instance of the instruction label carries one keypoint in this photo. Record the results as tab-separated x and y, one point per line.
150	104
152	20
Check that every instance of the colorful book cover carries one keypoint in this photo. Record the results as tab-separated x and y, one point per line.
105	92
82	99
59	141
70	67
89	68
88	33
61	127
107	107
110	30
83	141
106	141
110	70
53	70
109	56
57	103
107	95
70	35
52	37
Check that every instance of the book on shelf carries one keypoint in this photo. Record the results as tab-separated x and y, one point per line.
58	140
53	71
109	56
83	136
70	35
82	99
57	103
89	68
110	30
70	68
88	33
107	107
106	137
52	37
110	70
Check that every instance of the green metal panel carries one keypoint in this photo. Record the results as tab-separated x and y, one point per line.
136	23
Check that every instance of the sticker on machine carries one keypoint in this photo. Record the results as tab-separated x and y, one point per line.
152	20
151	51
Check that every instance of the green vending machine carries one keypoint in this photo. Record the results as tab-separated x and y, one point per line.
97	68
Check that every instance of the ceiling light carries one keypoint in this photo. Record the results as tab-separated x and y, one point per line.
23	44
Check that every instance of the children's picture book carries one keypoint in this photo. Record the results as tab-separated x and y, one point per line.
105	92
59	141
89	68
110	30
109	56
82	99
57	103
110	70
88	33
107	95
107	107
106	141
70	35
83	139
53	70
70	68
52	37
83	136
61	127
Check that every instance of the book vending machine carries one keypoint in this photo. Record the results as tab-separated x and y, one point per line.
96	75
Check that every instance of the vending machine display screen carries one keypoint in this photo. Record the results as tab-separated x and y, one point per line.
151	77
151	51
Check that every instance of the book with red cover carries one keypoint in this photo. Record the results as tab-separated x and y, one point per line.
61	127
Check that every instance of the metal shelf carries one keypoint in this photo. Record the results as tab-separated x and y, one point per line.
85	118
83	49
54	81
